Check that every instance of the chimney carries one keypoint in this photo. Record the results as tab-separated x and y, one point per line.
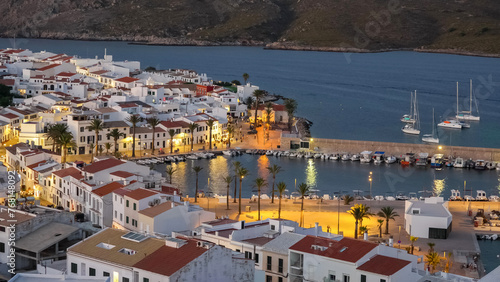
172	205
365	236
175	193
186	203
316	229
391	241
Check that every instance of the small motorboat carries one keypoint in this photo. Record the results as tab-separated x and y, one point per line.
401	196
355	157
459	163
450	123
413	196
455	195
346	157
389	196
480	165
490	165
378	198
469	198
481	195
366	157
493	198
422	159
390	159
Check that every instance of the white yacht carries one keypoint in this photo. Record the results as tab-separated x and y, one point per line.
455	195
481	195
459	163
467	115
409	118
432	138
450	123
413	126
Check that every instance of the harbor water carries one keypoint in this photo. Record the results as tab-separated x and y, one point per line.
346	96
330	176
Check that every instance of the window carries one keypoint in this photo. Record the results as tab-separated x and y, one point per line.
135	206
382	280
280	279
269	278
280	265
91	271
331	275
145	279
125	279
248	255
256	258
347	278
74	268
126	219
2	228
2	247
269	262
273	227
82	129
126	203
363	278
105	274
116	214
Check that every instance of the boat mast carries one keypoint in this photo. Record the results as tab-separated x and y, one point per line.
433	124
457	97
470	101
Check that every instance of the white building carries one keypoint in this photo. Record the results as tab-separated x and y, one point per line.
245	91
428	219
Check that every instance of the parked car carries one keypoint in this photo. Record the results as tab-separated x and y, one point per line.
252	131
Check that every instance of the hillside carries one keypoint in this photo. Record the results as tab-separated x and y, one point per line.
460	25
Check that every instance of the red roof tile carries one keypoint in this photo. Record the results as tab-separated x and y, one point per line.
347	249
10	116
141	193
383	265
122	174
220	221
168	260
121	191
102	165
170	190
127	79
8	82
66	74
48	67
99	72
108	188
171	124
70	171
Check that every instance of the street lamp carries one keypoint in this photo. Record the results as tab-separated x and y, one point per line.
370	180
399	239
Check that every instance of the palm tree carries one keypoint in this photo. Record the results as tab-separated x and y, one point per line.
367	214
448	264
153	122
197	170
269	112
387	213
242	172
115	134
380	223
281	190
210	123
431	246
274	169
259	183
246	77
303	190
228	179
249	103
237	166
171	132
257	94
290	107
359	212
65	140
170	171
230	131
54	131
363	229
134	120
432	259
412	239
107	145
91	145
192	127
96	125
348	199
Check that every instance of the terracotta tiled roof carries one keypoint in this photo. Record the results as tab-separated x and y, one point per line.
168	260
141	193
70	171
37	164
383	265
171	124
223	233
121	191
259	241
347	249
65	74
102	165
122	174
170	190
10	116
48	67
7	82
127	79
156	210
99	72
220	222
108	188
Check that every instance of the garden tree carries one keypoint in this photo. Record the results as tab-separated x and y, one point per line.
387	213
197	170
259	183
236	82
249	102
153	122
170	171
210	123
258	95
150	69
245	77
134	120
107	145
171	132
380	223
230	132
237	166
431	246
432	259
100	149
363	229
281	190
96	125
358	211
273	170
192	127
412	240
290	107
5	96
303	190
53	132
242	172
348	199
115	134
228	179
65	140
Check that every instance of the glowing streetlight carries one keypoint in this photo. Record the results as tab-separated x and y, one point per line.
370	180
440	147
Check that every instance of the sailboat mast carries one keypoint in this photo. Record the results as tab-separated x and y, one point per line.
457	97
470	102
433	124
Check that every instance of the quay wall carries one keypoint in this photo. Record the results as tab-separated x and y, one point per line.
321	145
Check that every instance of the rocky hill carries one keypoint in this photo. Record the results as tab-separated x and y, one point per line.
366	25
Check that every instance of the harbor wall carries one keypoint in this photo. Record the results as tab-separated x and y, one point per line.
321	145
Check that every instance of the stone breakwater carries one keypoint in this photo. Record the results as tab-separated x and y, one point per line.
390	148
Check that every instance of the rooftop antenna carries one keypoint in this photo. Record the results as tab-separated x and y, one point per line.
105	51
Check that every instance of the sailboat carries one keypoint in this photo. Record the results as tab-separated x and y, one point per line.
454	123
409	118
467	115
431	138
413	127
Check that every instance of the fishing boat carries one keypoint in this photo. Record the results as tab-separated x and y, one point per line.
378	157
407	159
459	163
455	195
346	157
481	195
390	159
355	157
413	126
490	165
432	138
413	196
480	165
389	196
422	159
437	160
467	115
366	157
424	194
401	196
